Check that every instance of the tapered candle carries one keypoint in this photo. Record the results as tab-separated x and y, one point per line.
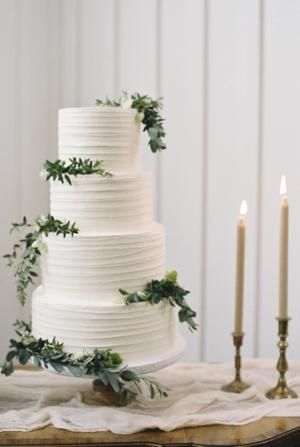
240	267
283	250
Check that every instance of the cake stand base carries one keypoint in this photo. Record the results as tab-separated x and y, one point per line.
102	395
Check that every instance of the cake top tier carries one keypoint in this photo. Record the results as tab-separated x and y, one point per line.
103	133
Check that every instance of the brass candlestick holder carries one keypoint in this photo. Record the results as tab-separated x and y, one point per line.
281	390
237	385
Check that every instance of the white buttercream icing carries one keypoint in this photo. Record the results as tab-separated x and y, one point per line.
110	134
118	246
93	267
138	332
109	204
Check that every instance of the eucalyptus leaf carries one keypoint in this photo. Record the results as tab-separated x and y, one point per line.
56	366
24	356
114	383
153	132
36	362
128	375
76	371
152	391
103	377
10	355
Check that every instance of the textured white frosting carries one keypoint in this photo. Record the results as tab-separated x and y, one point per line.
118	247
138	332
110	134
104	204
92	267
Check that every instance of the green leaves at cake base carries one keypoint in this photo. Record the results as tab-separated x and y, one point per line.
104	364
167	289
26	252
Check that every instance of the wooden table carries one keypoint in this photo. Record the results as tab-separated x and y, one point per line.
271	432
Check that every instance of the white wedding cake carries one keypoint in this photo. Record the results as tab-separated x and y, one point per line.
118	246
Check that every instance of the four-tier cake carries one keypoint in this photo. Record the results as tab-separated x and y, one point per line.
118	246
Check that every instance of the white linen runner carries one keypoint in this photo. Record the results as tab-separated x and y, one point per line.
34	399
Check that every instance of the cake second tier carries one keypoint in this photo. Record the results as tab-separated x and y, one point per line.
92	267
104	204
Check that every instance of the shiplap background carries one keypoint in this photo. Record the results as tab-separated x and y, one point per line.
229	72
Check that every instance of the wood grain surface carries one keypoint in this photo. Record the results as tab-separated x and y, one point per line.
273	432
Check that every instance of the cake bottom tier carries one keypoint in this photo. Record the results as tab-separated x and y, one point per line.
142	333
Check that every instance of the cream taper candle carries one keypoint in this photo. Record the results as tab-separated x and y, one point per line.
283	250
240	267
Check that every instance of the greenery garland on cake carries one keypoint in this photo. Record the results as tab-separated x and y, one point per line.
27	251
62	171
106	365
148	113
167	289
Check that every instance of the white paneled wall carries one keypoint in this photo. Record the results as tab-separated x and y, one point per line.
229	73
232	165
182	167
281	143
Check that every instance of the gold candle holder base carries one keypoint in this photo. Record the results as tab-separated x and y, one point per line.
281	390
237	385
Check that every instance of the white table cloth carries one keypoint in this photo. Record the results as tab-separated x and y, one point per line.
31	400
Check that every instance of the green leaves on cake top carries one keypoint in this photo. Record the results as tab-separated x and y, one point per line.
63	171
27	251
167	289
105	364
148	113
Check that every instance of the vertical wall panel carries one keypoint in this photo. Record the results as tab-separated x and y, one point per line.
281	156
68	53
9	162
37	112
29	89
54	78
137	62
182	62
95	50
35	96
232	137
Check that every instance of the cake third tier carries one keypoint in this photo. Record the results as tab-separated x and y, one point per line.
90	268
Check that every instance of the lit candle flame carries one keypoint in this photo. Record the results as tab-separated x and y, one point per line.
244	208
283	188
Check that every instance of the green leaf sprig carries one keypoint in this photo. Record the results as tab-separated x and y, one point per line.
105	364
166	289
27	251
63	171
148	113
